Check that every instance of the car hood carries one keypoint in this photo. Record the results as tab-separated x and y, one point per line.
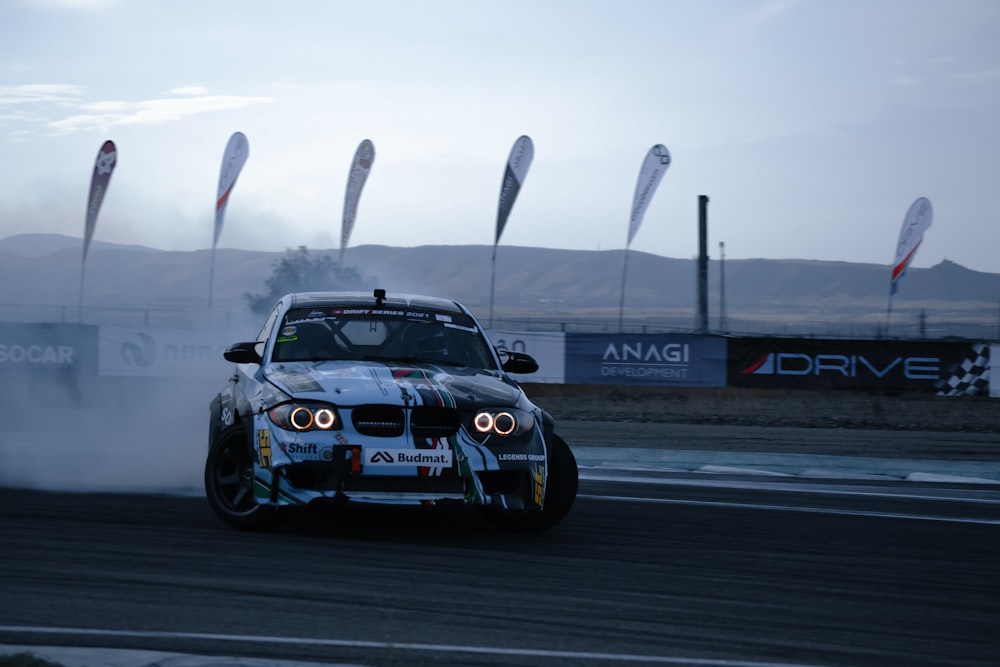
350	383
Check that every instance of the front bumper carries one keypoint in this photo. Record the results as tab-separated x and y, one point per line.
344	466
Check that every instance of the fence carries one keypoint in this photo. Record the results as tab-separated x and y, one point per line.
65	352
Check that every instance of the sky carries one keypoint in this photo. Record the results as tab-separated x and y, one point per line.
811	125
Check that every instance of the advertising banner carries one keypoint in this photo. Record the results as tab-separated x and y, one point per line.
994	369
668	360
654	166
165	353
48	350
947	368
917	221
104	164
233	158
361	165
548	349
518	162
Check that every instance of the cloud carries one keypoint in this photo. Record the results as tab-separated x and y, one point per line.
67	111
85	5
984	77
189	91
38	93
771	9
104	115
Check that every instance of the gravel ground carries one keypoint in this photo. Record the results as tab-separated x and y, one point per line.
745	407
918	426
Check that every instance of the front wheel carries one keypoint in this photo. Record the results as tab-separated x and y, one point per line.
229	482
560	492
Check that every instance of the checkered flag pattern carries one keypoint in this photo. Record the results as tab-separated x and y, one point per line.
972	376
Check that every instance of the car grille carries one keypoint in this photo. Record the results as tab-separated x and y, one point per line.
434	421
379	421
387	421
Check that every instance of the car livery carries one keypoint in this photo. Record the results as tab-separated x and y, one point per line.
361	398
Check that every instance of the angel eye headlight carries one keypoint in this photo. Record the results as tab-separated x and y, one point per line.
301	419
483	422
325	418
304	417
502	422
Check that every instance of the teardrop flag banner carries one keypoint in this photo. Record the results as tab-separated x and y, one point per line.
107	158
364	158
105	163
917	221
235	156
521	155
654	166
518	162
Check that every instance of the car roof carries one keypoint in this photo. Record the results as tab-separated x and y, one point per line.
318	299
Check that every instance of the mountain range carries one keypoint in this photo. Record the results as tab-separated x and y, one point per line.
535	288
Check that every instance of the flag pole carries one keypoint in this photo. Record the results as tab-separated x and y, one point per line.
493	278
621	303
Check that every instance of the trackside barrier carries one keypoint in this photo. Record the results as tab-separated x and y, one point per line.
945	368
661	360
165	353
994	370
548	349
47	350
38	354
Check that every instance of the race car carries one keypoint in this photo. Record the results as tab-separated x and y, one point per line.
358	398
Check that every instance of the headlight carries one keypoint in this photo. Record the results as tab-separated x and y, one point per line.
502	422
305	417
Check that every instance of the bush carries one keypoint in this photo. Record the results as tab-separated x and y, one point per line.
297	271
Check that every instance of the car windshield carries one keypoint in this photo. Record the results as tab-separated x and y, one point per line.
374	334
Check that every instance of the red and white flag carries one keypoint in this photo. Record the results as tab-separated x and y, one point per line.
235	156
917	221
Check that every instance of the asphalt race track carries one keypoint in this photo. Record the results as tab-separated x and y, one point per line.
671	569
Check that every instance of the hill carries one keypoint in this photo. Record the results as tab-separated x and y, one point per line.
536	288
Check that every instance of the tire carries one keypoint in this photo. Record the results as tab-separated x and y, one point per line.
560	492
229	483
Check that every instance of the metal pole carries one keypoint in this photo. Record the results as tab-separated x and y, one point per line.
493	279
621	303
723	326
702	263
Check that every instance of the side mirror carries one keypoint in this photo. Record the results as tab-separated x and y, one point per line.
517	362
243	353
